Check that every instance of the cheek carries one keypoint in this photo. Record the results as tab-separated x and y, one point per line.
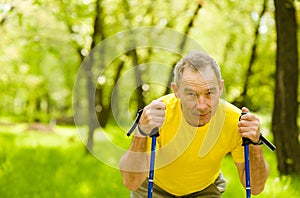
188	106
214	99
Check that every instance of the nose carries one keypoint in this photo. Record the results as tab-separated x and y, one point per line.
202	103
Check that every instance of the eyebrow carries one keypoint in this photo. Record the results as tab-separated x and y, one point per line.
188	89
210	88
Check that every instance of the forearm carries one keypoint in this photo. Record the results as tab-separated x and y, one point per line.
259	169
134	164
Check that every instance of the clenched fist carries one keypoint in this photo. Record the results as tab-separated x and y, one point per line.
249	126
153	116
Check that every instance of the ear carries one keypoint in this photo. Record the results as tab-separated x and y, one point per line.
175	89
221	87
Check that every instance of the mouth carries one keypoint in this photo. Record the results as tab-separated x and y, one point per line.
202	115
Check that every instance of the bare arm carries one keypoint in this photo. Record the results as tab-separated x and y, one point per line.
259	170
249	127
134	164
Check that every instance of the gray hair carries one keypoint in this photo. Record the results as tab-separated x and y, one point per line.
196	61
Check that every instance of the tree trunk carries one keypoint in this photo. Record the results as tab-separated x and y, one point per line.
284	121
103	111
182	45
98	36
138	79
91	101
243	99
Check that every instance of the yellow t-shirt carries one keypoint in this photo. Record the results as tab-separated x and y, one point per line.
188	159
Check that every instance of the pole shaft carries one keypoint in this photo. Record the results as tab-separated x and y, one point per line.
247	171
151	172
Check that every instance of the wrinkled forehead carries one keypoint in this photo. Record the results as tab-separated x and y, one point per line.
203	76
194	80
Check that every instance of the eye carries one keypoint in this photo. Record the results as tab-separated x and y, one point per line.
210	92
191	94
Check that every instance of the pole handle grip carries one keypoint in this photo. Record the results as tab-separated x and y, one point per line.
263	140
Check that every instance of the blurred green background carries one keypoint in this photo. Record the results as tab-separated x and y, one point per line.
42	46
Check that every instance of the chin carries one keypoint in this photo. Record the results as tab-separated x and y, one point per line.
197	124
202	123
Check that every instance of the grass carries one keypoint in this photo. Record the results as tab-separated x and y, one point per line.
276	186
35	164
55	164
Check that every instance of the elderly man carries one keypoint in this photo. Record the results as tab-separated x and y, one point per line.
196	130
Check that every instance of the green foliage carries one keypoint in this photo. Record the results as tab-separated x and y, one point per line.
37	63
40	60
229	36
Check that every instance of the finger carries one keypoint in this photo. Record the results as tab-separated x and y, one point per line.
249	120
244	121
249	130
158	112
158	104
245	110
158	121
246	129
147	124
153	114
251	135
248	117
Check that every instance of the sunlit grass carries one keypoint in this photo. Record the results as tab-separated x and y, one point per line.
52	164
276	186
55	164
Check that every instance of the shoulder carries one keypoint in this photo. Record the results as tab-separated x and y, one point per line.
232	111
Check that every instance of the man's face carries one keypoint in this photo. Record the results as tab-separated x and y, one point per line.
199	94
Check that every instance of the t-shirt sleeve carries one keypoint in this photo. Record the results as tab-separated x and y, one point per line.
238	152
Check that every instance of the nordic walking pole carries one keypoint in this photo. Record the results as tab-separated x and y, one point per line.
247	167
154	133
246	142
152	160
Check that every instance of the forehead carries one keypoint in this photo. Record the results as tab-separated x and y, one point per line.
205	78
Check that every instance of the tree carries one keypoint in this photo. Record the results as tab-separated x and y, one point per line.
284	121
183	42
243	99
98	36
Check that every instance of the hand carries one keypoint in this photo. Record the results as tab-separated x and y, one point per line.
249	126
153	116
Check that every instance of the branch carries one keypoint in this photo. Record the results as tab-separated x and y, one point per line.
182	45
6	15
243	96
